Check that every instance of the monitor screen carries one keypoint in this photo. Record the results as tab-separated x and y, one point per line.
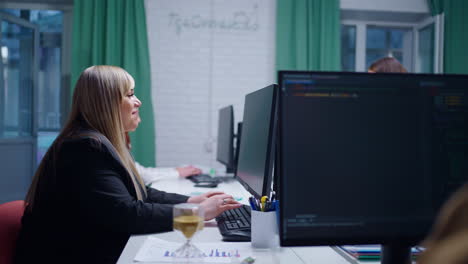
368	158
225	146
255	161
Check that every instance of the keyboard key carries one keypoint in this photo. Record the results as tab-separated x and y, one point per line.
243	224
232	226
235	220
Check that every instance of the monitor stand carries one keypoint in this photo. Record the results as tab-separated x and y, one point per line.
396	254
230	170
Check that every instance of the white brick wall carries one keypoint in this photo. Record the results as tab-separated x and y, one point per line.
200	62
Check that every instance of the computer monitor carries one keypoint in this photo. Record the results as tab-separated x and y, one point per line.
257	147
369	158
225	146
238	138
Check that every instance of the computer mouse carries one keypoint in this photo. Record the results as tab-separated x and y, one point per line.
206	184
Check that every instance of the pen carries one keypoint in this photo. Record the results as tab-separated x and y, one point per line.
275	205
257	204
263	201
252	203
272	195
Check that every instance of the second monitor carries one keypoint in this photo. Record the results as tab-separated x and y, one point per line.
257	147
255	159
225	147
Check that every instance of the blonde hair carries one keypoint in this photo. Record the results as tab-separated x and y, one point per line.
96	103
448	238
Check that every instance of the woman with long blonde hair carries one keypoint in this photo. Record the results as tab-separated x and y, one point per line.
87	197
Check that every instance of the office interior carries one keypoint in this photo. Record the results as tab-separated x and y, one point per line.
194	58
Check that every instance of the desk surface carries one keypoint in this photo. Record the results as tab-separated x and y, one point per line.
289	255
299	255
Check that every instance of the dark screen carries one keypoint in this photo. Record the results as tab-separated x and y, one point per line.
225	146
368	158
255	161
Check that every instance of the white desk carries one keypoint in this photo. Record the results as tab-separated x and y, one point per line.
186	187
289	255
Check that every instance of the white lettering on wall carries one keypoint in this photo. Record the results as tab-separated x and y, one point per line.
238	20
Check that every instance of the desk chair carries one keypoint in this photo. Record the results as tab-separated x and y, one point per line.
10	224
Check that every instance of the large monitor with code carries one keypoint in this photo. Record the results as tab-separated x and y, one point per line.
369	158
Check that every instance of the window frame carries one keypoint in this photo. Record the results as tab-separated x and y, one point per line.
361	37
438	22
65	83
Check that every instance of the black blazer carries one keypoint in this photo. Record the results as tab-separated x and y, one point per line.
87	208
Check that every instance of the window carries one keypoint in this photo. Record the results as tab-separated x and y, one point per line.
50	99
348	48
410	38
49	79
388	42
16	82
426	49
49	88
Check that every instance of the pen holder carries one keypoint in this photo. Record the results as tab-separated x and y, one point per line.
264	232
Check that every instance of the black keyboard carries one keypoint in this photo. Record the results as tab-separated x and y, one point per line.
200	178
234	225
207	178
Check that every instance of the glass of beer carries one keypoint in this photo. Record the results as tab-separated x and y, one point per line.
188	219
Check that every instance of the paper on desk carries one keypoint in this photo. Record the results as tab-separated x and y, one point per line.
159	250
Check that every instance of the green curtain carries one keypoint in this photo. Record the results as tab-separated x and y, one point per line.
113	32
308	35
455	33
456	36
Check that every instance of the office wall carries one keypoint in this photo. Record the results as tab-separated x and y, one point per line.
204	55
414	6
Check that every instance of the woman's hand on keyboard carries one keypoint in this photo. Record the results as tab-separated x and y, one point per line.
216	204
188	171
202	197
